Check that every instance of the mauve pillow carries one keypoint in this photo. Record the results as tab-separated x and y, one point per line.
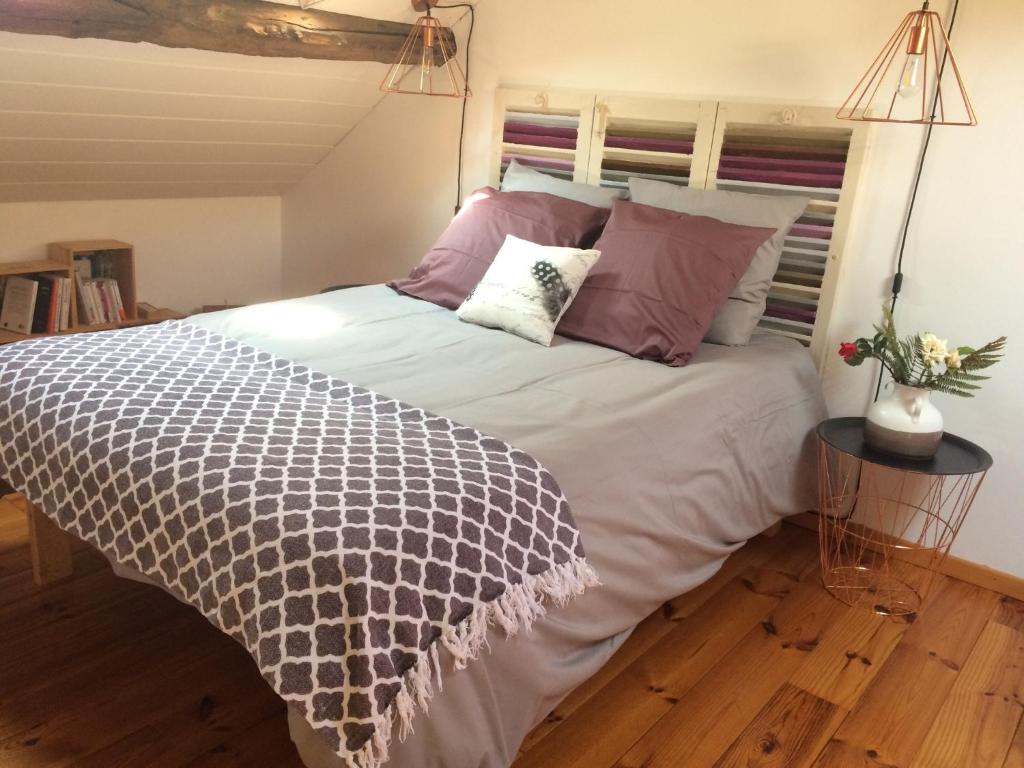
738	316
660	279
460	258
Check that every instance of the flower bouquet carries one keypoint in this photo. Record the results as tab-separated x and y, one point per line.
907	423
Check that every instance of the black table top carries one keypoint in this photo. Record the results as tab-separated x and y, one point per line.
955	456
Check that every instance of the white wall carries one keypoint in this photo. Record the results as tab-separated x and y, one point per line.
188	252
370	210
373	207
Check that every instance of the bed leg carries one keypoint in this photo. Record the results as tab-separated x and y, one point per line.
773	530
51	547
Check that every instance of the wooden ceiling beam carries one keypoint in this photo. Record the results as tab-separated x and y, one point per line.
248	27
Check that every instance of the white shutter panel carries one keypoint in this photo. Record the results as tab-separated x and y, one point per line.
773	150
546	130
653	138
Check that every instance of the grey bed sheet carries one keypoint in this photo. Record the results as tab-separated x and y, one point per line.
667	470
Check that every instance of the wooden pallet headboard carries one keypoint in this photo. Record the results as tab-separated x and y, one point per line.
768	149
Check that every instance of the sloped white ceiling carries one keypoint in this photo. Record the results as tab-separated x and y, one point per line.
97	119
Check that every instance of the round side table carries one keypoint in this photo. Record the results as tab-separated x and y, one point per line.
877	510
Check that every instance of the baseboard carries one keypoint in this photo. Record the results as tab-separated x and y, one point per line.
956	567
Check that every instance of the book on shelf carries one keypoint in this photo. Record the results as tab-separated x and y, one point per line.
41	317
105	301
89	303
83	272
18	310
53	316
114	299
65	304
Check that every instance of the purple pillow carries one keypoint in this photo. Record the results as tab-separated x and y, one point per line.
459	259
661	277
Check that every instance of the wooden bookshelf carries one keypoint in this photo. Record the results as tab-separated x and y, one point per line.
61	260
14	268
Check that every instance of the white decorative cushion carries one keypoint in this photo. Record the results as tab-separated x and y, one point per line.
527	288
523	178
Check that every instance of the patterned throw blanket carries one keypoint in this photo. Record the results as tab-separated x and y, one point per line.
338	534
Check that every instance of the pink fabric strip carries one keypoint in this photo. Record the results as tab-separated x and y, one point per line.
811	230
540	130
782	177
538	141
790	313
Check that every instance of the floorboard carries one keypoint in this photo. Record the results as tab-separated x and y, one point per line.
989	693
789	731
889	722
756	554
1015	757
757	668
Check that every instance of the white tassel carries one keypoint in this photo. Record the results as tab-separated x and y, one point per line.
435	661
517	609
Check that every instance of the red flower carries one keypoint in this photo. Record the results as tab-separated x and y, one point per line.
847	350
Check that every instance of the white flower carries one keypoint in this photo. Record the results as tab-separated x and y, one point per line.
933	349
953	359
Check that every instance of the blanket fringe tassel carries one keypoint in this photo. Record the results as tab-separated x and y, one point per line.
515	610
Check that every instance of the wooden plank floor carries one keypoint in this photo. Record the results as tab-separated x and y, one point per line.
758	667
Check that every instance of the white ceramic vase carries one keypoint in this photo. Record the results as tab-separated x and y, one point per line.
905	423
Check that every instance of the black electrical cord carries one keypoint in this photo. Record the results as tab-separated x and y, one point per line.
897	279
465	96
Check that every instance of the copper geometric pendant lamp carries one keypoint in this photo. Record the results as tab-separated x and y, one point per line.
426	65
896	89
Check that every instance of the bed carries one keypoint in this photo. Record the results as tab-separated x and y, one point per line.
667	470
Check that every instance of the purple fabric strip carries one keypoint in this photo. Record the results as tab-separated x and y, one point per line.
790	313
540	162
540	130
782	177
538	141
651	145
811	230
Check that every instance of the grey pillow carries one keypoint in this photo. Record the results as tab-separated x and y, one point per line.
736	319
522	178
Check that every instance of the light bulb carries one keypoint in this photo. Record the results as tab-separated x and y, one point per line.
917	44
427	57
910	79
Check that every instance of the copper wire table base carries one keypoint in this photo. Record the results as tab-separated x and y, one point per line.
877	516
865	587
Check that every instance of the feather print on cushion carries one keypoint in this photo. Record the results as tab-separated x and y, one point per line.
554	292
528	288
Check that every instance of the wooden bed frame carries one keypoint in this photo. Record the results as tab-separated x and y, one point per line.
51	547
